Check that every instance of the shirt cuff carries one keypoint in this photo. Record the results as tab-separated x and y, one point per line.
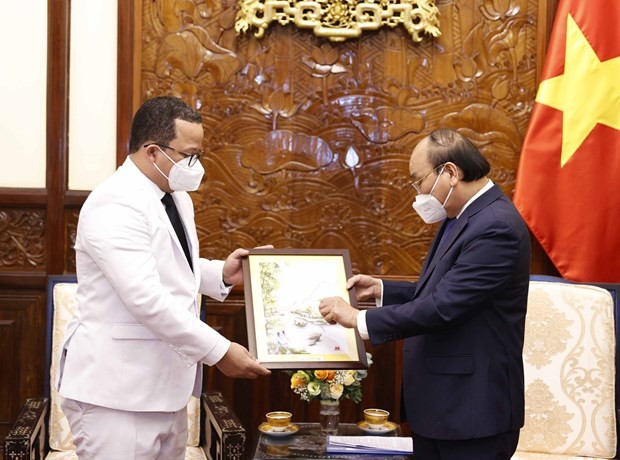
217	352
225	288
362	328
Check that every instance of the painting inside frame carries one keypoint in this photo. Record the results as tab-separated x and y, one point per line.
283	288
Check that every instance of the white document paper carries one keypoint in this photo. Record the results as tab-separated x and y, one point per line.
370	444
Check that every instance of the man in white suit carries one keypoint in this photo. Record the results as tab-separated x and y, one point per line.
133	354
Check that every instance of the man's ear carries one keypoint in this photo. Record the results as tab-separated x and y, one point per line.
454	171
150	152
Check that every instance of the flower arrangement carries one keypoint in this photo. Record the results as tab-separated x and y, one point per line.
329	384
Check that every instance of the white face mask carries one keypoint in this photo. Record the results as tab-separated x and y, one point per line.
428	207
181	177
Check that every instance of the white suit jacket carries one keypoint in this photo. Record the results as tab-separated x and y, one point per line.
136	338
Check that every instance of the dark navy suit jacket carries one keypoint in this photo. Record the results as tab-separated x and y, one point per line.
463	325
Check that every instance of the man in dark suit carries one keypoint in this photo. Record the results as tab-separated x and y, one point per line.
463	321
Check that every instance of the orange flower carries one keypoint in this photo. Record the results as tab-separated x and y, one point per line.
325	375
299	379
321	375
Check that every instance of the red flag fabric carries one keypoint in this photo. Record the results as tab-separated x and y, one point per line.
568	181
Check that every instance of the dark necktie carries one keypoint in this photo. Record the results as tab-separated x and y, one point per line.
444	236
173	215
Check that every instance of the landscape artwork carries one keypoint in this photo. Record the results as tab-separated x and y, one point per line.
285	326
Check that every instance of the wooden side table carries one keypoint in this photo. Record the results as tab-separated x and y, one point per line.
310	443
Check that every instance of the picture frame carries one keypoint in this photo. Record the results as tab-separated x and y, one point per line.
283	288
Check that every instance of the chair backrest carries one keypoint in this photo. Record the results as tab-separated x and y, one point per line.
570	372
61	305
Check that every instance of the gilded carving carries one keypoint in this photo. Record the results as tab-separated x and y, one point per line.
339	20
22	240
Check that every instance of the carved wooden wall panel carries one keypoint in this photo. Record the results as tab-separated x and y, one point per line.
22	240
309	140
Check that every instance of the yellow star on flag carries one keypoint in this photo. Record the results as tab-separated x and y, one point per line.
588	92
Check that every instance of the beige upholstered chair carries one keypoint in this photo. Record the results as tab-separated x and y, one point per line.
569	358
228	441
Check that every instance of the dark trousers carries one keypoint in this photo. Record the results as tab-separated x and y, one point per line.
498	447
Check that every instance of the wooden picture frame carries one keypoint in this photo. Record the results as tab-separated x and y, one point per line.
283	288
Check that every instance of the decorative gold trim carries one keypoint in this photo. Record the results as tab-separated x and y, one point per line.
339	20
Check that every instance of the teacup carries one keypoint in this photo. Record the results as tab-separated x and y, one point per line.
279	420
376	418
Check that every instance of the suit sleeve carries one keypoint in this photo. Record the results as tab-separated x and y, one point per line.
211	282
483	265
397	292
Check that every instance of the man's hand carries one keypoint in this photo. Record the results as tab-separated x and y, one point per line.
336	310
239	363
233	271
366	287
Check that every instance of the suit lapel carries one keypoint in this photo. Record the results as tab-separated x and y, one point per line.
187	218
164	216
437	253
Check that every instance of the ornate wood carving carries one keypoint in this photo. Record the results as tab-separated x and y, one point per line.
339	20
22	239
225	436
309	141
27	438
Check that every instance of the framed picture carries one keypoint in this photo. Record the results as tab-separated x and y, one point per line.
283	289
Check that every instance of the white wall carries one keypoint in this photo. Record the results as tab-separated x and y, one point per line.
92	92
23	89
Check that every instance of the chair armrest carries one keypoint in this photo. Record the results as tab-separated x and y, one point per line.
27	436
224	434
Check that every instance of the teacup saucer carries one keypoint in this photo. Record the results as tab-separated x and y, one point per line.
388	427
268	430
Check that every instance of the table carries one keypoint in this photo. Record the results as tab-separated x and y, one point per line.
310	443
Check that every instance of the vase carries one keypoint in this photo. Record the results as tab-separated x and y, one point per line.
329	416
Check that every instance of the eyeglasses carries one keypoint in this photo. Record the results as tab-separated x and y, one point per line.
193	157
417	184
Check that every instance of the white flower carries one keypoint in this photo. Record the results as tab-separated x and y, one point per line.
349	378
314	388
336	390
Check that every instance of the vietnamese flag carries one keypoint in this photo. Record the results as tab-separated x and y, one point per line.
568	182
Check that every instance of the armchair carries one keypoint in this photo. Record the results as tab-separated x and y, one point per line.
42	431
570	372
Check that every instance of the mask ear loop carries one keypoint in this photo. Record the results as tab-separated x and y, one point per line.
443	205
437	180
157	167
448	197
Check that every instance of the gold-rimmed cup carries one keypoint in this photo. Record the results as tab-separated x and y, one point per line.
376	418
279	420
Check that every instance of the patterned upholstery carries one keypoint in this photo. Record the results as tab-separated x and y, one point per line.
192	453
65	304
569	359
